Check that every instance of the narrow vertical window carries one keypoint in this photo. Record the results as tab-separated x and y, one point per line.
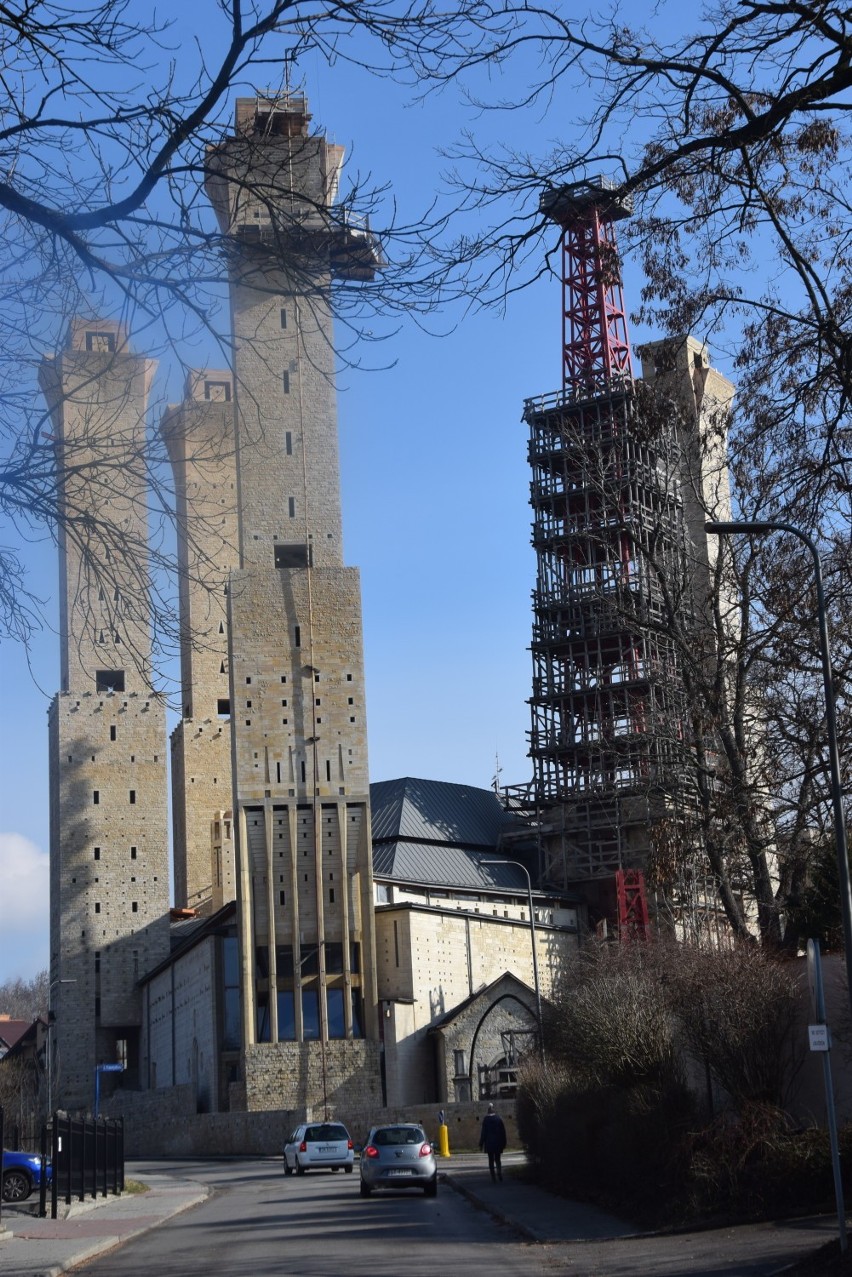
133	795
297	636
303	772
328	769
112	733
288	443
282	898
396	940
132	853
285	382
283	317
97	853
291	507
96	796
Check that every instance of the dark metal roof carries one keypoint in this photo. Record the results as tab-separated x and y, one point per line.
437	811
434	833
445	866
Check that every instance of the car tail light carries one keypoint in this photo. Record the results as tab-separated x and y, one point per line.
371	1151
425	1150
303	1148
348	1143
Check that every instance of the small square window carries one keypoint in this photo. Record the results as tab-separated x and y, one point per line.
100	343
217	391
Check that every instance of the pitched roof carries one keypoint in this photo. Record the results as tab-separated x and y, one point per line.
11	1030
439	834
437	811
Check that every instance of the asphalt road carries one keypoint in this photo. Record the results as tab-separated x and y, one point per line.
258	1224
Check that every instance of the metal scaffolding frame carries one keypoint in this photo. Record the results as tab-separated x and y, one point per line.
608	708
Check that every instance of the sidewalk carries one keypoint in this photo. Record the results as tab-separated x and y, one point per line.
612	1247
33	1247
533	1213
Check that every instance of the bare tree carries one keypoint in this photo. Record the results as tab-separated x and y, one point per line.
733	141
25	999
108	131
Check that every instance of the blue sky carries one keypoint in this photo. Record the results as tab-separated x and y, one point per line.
435	498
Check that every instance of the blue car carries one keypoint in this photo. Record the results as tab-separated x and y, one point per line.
22	1174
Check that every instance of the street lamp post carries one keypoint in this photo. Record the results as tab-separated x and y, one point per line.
775	525
536	984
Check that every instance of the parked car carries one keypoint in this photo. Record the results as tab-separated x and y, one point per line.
22	1174
398	1157
315	1146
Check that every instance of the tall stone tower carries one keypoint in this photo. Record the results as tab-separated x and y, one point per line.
108	821
298	729
199	435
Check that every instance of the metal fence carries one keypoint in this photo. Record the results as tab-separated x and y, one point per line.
87	1156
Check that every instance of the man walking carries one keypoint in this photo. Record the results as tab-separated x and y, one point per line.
492	1140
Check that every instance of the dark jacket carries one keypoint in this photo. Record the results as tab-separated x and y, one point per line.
492	1137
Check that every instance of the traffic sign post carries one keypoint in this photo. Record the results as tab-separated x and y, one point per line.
99	1069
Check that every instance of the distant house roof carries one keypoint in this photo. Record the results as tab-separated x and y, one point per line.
11	1031
435	833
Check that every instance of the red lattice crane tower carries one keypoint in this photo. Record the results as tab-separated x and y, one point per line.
595	346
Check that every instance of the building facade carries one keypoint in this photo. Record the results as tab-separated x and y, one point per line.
299	766
109	871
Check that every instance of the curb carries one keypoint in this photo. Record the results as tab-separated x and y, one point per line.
521	1229
108	1242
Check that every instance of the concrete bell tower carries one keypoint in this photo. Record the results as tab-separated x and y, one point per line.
297	710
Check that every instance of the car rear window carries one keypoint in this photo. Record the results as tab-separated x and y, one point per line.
328	1131
399	1135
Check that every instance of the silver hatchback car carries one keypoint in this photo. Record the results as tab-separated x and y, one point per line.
398	1157
317	1146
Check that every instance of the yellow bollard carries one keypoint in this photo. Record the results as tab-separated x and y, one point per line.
444	1140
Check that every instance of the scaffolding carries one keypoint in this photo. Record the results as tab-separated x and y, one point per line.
609	715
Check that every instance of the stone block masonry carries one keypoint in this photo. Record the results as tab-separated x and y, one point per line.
108	818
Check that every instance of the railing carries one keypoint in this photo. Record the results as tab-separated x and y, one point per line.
87	1159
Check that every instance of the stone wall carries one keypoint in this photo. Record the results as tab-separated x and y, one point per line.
164	1124
300	1075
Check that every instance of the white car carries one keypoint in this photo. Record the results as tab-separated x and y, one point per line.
315	1146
